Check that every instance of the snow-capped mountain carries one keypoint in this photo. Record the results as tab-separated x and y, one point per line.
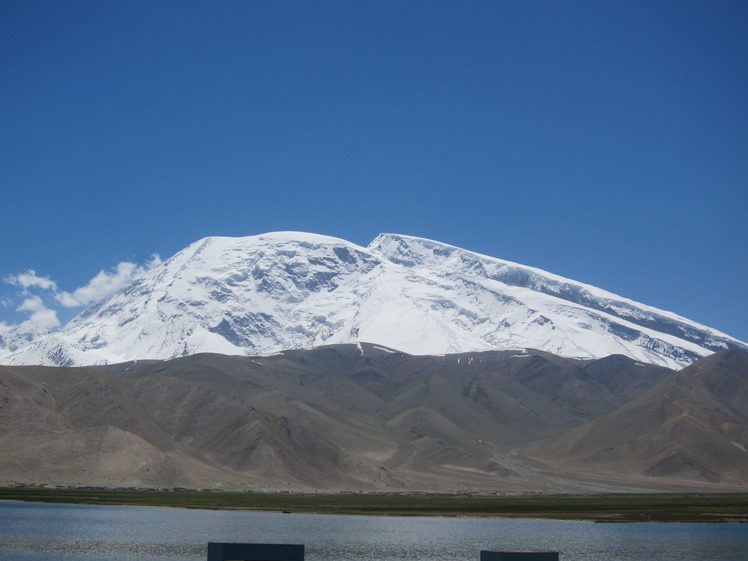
287	290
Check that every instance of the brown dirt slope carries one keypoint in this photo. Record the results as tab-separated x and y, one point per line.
350	418
693	426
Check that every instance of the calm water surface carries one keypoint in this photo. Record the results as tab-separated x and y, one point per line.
45	532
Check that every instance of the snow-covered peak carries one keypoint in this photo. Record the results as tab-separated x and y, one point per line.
410	250
413	251
283	290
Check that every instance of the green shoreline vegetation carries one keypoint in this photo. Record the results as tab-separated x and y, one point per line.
609	508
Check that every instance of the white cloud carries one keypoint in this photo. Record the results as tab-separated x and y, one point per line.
32	304
105	284
39	293
41	316
31	279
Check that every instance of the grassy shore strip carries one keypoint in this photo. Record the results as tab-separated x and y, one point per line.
618	508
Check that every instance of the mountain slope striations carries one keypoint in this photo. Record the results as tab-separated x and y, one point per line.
339	418
361	417
691	426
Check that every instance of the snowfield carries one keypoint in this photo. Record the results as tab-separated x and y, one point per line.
259	295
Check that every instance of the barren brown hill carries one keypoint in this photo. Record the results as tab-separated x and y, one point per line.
346	418
691	427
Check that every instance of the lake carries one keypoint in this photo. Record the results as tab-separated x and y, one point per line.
51	532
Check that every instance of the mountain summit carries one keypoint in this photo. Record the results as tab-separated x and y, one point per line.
288	290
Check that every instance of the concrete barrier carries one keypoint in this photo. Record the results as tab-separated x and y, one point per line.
255	552
518	555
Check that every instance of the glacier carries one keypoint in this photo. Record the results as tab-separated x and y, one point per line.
268	293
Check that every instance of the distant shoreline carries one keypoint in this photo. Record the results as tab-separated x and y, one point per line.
597	508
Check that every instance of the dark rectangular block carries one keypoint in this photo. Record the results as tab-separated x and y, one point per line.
518	555
255	552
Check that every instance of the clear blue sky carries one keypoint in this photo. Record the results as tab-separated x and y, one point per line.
603	141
